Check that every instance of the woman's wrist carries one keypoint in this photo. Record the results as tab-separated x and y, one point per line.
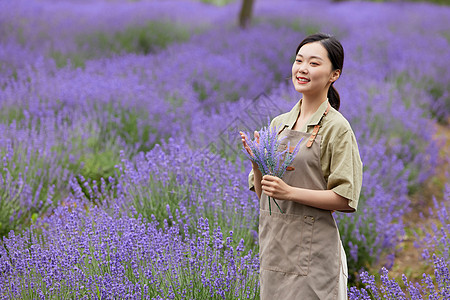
255	166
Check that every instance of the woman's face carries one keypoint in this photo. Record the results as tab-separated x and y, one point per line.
312	71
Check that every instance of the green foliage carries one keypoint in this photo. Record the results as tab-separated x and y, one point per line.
158	198
441	2
10	206
218	2
306	28
436	91
131	126
99	164
153	36
15	213
149	38
26	175
429	84
11	114
447	35
100	153
76	60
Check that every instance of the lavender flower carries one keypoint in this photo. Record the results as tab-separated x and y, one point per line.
266	154
76	253
429	288
437	238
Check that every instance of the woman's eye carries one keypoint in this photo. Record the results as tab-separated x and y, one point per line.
314	64
298	60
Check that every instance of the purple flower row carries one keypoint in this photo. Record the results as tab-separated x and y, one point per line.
436	286
38	29
435	251
82	252
437	238
197	182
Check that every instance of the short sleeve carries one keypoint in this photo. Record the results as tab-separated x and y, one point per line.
251	181
345	177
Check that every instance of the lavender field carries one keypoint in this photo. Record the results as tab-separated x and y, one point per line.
123	176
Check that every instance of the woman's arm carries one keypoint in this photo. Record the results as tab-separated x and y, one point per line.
324	199
257	179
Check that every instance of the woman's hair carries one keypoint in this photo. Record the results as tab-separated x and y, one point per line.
336	56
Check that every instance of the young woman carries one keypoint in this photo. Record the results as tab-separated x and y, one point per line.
301	254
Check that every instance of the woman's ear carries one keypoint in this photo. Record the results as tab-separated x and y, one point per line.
335	75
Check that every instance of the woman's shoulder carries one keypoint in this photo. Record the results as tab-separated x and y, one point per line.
280	120
336	123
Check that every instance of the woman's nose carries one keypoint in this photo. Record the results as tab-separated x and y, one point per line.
303	69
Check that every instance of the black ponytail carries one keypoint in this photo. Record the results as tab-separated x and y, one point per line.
336	56
333	97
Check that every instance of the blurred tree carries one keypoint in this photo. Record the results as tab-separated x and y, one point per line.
245	14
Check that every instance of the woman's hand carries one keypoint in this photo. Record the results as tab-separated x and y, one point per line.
276	188
246	146
257	175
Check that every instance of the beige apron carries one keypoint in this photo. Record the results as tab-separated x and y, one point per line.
300	251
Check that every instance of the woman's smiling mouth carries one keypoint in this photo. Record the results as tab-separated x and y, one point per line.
302	80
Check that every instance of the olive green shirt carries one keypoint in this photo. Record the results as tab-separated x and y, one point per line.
339	154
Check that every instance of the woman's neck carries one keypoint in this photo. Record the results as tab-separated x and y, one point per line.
311	104
308	108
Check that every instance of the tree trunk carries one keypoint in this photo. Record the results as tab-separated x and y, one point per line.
245	14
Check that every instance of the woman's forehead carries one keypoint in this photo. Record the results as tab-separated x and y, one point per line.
313	49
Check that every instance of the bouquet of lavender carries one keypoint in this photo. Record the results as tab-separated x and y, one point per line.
266	155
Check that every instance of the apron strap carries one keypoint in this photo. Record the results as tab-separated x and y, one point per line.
316	129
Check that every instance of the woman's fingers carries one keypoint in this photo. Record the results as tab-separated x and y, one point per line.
243	139
275	187
267	187
268	180
270	177
256	135
244	142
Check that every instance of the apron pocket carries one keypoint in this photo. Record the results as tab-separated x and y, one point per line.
304	258
285	242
